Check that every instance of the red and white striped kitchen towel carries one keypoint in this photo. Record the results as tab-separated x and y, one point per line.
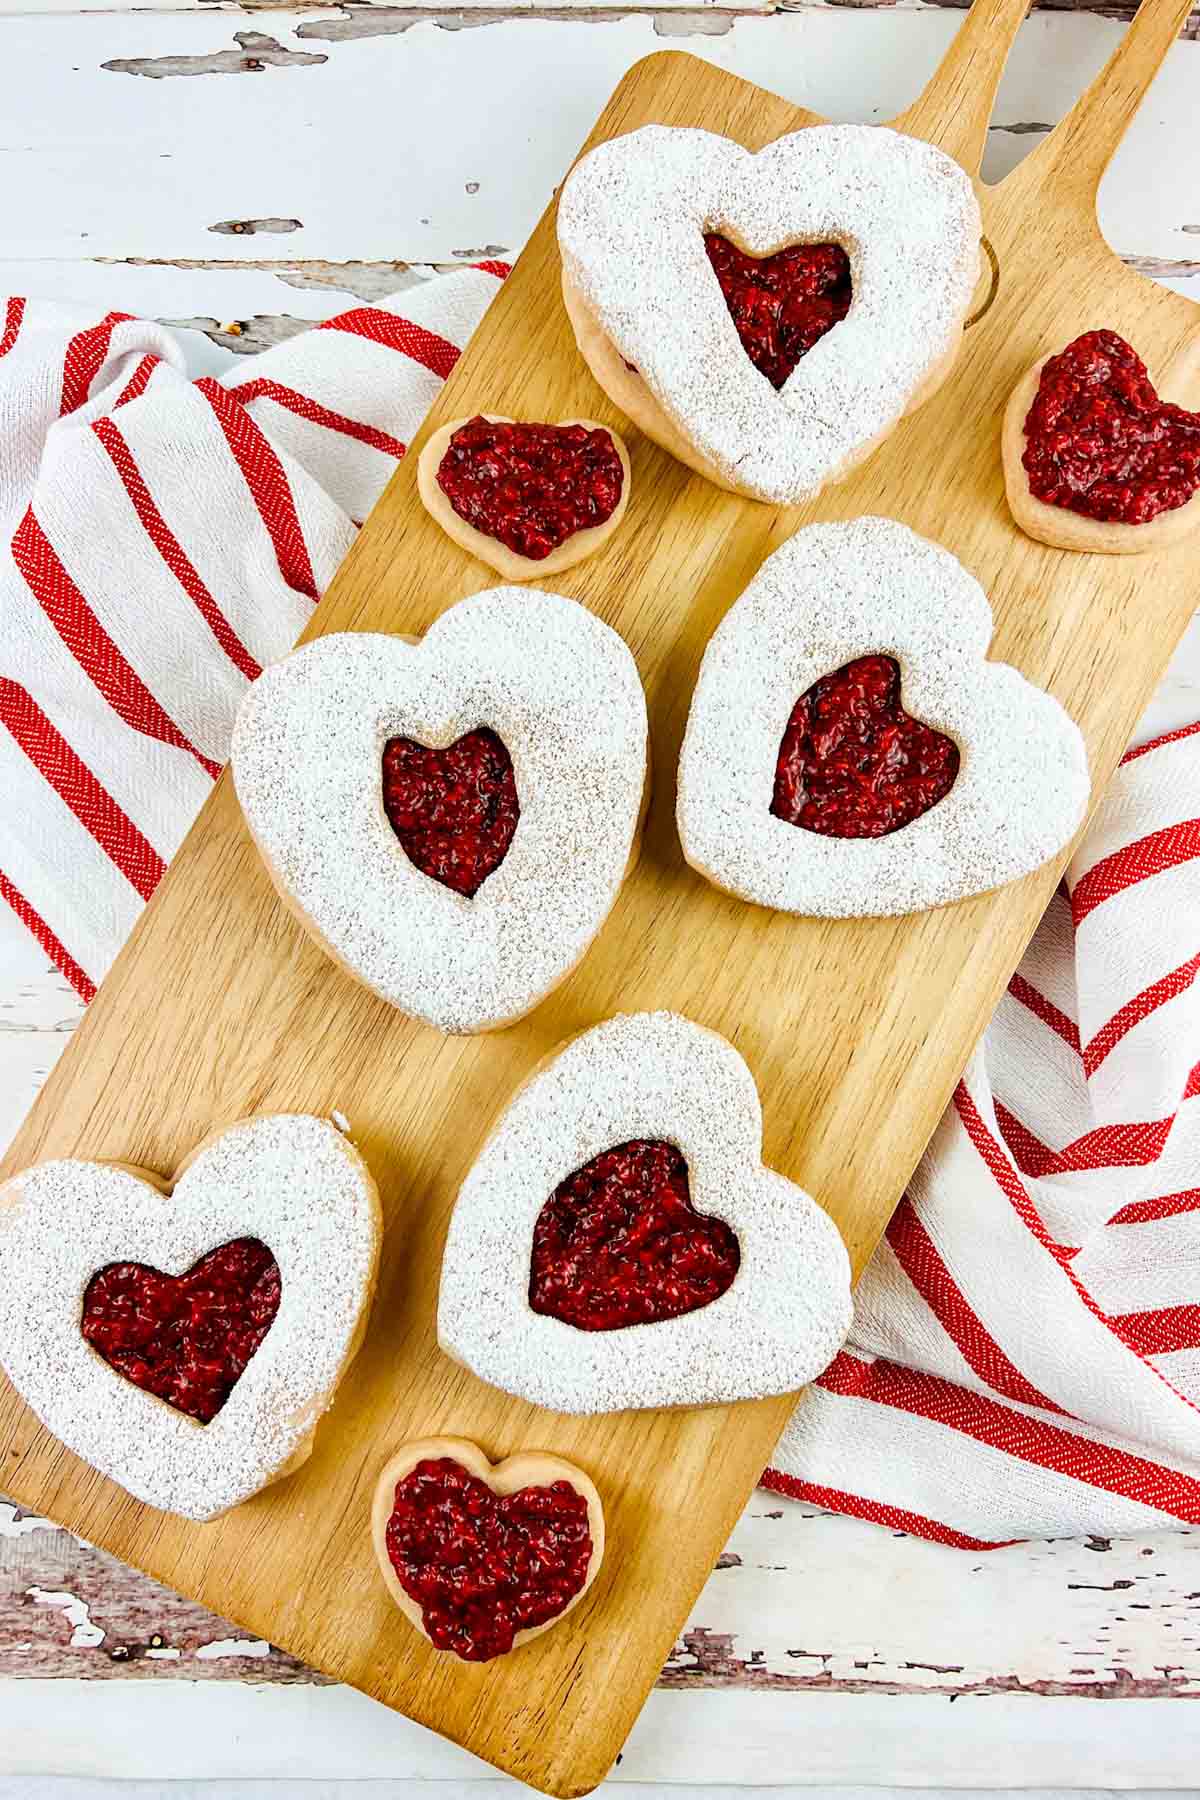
1025	1355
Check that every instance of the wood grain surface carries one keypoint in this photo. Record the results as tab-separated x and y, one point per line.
855	1031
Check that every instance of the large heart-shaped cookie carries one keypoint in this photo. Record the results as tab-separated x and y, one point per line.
559	690
643	1078
480	1556
653	323
291	1183
1009	790
1094	460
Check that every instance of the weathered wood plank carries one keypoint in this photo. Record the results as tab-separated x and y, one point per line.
1110	9
292	144
69	1609
38	1012
791	1607
240	290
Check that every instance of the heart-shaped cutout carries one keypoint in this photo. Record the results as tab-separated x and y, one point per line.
560	691
853	763
619	1243
186	1338
1093	459
482	1557
781	305
634	221
872	589
529	499
659	1078
454	810
288	1182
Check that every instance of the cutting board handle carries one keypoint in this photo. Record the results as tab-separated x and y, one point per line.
1072	160
955	109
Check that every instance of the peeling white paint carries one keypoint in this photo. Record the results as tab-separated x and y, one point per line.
163	1654
232	1647
13	1527
255	227
84	1635
255	53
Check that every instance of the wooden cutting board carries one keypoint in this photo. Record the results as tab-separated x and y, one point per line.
856	1031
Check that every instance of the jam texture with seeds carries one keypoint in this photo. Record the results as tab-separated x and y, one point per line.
531	487
484	1566
186	1338
1099	441
620	1243
454	810
783	304
853	763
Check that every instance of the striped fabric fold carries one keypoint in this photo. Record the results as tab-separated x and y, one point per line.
1025	1355
1019	1358
161	541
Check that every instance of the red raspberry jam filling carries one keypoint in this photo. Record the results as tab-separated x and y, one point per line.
853	763
531	487
783	304
1099	441
483	1566
186	1338
620	1243
454	810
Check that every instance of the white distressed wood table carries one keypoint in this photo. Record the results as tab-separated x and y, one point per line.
361	146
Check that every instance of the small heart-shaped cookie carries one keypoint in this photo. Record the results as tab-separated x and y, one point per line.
398	852
479	1556
770	382
1093	459
806	784
129	1312
529	500
759	1307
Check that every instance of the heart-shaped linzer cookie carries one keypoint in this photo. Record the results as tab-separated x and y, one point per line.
481	1557
1093	459
764	388
186	1342
417	883
529	499
851	751
729	1286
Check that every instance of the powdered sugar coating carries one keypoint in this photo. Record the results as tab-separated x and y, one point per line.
829	594
562	691
643	1075
631	221
288	1179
